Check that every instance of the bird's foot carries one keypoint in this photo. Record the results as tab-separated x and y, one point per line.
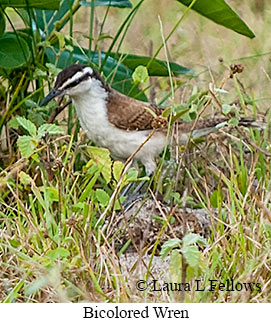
129	202
132	197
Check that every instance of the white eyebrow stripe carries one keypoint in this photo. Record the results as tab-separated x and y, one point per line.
76	76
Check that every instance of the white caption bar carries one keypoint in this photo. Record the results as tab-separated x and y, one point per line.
89	312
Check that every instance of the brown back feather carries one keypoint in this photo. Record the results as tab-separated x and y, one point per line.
130	114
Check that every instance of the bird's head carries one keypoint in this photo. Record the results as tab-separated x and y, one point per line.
75	80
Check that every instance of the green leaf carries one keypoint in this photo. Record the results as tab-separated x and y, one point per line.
58	253
216	198
53	69
102	158
27	125
191	238
40	4
31	104
221	13
267	228
132	174
14	51
13	123
14	293
35	157
88	189
140	75
233	122
226	108
25	179
14	243
118	202
51	129
179	112
2	23
108	3
26	145
117	169
156	68
61	39
168	246
37	116
102	197
175	267
191	255
52	194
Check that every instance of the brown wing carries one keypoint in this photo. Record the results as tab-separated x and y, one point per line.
130	114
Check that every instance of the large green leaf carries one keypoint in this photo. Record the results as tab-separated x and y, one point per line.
27	125
102	197
108	3
51	129
2	23
14	51
27	145
221	13
168	246
40	4
156	68
102	158
191	238
191	255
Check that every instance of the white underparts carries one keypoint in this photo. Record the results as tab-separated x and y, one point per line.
90	104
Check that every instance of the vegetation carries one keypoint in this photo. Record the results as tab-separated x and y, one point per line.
59	193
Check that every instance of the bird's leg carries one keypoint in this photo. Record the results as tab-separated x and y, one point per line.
139	186
127	189
136	194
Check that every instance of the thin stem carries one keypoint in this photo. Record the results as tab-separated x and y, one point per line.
102	25
171	32
14	96
91	24
59	25
130	16
71	29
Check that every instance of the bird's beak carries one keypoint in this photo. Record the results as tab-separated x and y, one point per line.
54	93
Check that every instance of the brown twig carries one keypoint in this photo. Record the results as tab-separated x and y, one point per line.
215	99
251	143
58	110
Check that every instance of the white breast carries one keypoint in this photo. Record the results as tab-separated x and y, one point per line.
92	114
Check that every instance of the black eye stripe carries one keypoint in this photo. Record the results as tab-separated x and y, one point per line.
71	71
76	82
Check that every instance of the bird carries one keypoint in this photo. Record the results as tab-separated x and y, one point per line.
120	123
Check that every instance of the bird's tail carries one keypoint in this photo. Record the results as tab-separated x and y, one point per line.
207	126
252	123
